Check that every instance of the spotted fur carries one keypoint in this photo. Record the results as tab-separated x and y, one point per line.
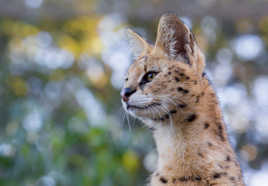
180	106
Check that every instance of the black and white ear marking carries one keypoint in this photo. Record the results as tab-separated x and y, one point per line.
137	44
175	39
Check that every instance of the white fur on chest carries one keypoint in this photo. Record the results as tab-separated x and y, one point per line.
170	144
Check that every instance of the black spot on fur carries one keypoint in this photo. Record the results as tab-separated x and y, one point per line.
182	105
181	74
177	79
221	132
203	74
163	180
180	89
232	179
228	158
216	176
169	73
145	66
183	179
187	78
206	125
209	144
200	154
191	118
190	178
173	111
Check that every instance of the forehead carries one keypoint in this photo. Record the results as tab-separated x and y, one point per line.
144	64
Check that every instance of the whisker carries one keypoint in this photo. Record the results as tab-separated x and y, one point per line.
122	113
128	123
164	109
171	125
152	111
157	111
175	101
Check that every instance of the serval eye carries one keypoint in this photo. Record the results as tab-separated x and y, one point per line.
148	77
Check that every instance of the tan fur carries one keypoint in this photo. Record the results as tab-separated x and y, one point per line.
181	108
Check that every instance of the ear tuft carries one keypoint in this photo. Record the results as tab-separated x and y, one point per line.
137	44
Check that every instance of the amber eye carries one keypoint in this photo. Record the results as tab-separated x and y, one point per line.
148	77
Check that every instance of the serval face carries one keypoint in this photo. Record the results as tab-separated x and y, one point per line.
166	77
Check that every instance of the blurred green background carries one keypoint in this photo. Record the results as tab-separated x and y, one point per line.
61	68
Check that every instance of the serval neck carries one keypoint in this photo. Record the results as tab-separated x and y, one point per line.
182	138
189	142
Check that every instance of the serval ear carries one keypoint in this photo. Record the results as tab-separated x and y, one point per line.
177	42
137	44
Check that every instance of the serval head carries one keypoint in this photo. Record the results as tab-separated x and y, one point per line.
166	78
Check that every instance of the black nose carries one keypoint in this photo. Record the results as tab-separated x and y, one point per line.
126	93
